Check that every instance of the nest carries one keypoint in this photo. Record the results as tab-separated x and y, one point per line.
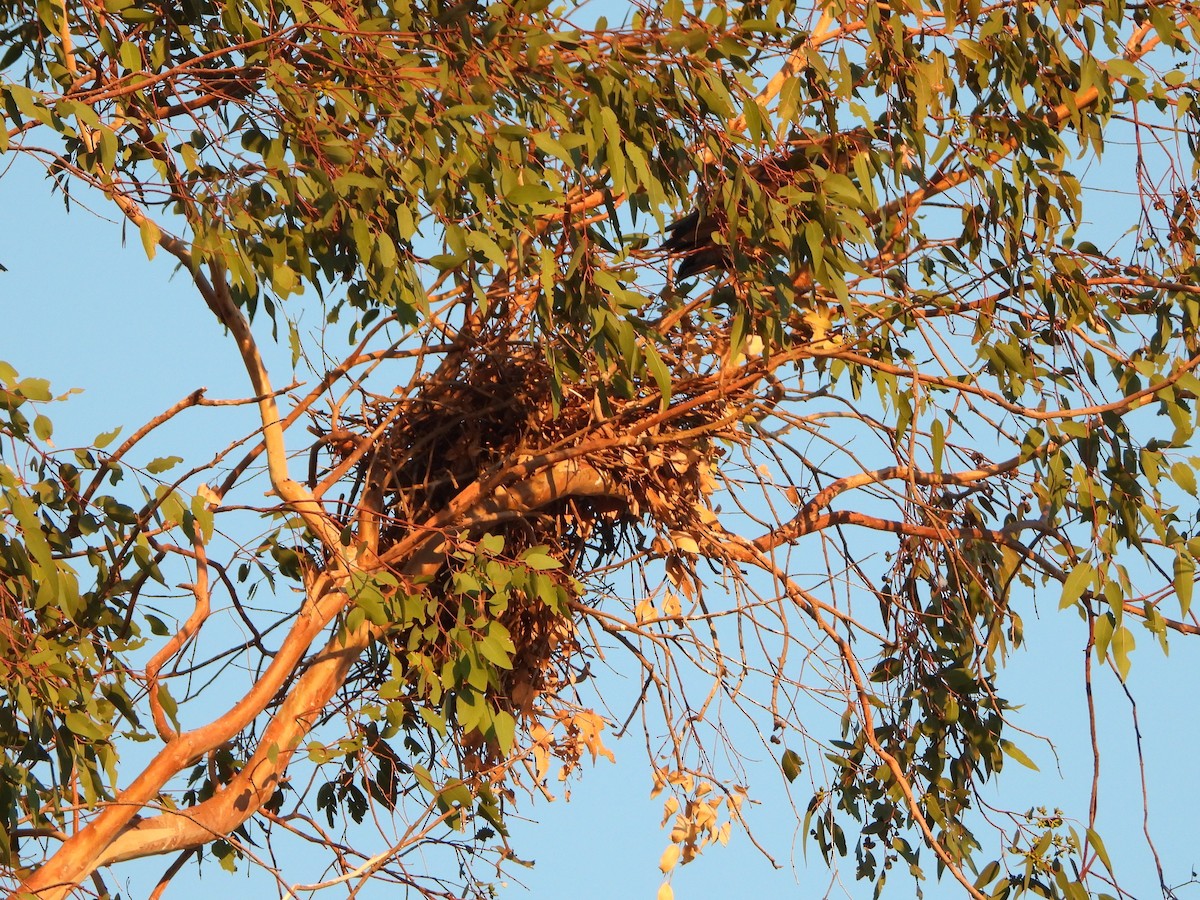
482	411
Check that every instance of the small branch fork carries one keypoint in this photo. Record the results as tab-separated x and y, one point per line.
180	639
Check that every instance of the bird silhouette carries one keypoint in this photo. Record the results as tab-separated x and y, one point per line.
691	237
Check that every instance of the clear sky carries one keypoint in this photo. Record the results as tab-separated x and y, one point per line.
84	308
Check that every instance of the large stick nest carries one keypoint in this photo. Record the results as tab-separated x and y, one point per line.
485	410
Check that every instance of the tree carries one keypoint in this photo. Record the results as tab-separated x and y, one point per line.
902	372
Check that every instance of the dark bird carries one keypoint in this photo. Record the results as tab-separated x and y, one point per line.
690	238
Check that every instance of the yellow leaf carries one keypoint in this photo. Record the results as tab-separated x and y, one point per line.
669	858
150	237
658	786
670	808
685	543
665	892
588	726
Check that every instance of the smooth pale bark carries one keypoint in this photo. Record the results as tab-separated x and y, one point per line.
119	833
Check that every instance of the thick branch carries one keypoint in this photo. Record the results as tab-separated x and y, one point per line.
810	517
85	851
327	671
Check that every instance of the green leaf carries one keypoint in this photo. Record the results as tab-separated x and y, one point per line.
83	726
529	194
752	113
791	764
497	647
937	447
1098	846
1122	645
203	516
1081	576
455	793
466	583
1015	752
444	262
35	540
103	440
170	507
36	389
546	142
504	726
43	427
887	669
491	544
1184	476
162	464
168	705
283	279
139	16
294	343
477	240
369	598
469	709
130	56
433	719
660	372
1184	580
226	855
424	778
988	875
537	559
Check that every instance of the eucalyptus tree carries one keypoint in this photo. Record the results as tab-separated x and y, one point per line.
768	352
